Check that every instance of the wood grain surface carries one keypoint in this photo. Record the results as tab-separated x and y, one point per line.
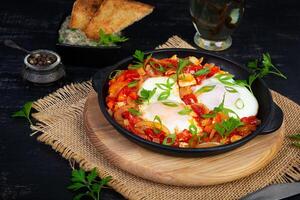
28	168
173	170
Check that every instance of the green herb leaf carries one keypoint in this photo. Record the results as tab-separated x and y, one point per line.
139	55
132	84
24	112
230	89
185	111
227	126
295	137
170	104
110	39
89	182
134	112
169	140
204	89
146	95
202	72
296	144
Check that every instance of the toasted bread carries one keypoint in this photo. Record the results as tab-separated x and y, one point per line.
115	15
82	12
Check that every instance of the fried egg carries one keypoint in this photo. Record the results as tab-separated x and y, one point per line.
168	115
237	98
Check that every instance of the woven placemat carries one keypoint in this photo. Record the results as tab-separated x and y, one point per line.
60	121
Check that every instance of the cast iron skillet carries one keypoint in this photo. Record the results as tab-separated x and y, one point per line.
269	113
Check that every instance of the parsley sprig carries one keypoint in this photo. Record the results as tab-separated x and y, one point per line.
140	59
260	70
146	95
87	184
110	39
24	112
225	127
296	137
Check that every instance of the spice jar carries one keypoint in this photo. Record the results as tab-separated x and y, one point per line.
43	67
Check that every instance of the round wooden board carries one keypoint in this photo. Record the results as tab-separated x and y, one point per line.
172	170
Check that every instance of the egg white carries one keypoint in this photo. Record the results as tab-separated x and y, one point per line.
168	115
243	102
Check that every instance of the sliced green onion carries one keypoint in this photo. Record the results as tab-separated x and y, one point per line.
132	84
212	115
185	111
202	72
163	95
157	118
134	112
167	139
135	66
224	78
230	89
239	104
170	104
114	74
193	129
207	88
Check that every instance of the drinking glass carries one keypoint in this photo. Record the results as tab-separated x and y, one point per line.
215	21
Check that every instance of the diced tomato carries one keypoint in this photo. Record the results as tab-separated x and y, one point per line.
125	92
206	139
110	102
158	137
131	119
189	99
208	128
199	110
191	69
199	79
184	136
213	71
129	75
250	120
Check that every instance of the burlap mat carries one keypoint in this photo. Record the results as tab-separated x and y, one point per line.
60	122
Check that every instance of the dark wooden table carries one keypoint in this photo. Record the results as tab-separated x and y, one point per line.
31	170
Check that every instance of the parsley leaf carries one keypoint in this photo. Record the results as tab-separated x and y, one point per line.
146	95
225	127
110	39
24	112
80	180
141	60
260	70
296	137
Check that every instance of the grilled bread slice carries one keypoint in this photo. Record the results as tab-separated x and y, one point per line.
82	13
115	15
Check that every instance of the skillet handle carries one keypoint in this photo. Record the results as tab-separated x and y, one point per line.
97	80
276	120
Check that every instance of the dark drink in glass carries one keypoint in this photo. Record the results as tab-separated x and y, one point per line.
215	21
